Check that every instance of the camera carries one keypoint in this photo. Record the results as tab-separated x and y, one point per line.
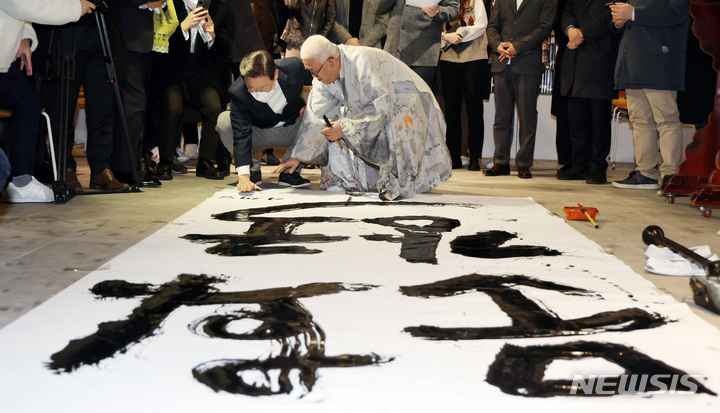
100	6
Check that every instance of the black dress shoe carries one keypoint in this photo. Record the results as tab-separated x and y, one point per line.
524	172
564	168
178	168
576	173
223	164
474	164
497	170
164	171
596	177
205	169
148	179
457	164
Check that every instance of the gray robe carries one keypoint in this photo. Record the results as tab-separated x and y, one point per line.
394	129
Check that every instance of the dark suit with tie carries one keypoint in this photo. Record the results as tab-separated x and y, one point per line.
517	80
587	80
247	114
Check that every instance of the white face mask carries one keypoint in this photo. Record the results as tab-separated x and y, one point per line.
264	97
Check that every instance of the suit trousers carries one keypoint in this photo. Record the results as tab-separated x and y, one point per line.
521	91
277	137
458	80
134	99
656	119
590	129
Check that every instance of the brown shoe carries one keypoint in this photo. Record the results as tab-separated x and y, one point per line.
497	170
72	183
107	182
524	172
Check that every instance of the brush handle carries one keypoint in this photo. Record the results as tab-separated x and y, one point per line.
655	235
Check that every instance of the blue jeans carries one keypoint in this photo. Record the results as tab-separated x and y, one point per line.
4	169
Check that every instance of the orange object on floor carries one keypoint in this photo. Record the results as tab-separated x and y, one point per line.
576	214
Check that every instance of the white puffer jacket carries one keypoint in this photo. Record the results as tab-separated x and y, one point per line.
14	26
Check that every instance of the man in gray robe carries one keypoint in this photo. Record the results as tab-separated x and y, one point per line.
387	129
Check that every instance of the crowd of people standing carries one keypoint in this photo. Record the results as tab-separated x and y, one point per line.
177	59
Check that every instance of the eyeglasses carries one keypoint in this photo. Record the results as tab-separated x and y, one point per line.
317	72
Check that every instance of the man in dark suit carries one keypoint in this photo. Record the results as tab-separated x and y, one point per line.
587	73
265	112
137	32
516	31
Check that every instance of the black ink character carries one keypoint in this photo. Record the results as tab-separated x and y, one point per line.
519	371
283	318
302	351
528	318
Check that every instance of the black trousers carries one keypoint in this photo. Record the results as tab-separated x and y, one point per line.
196	91
563	144
468	80
17	96
134	98
91	75
590	129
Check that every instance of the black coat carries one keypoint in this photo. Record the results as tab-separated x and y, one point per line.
652	48
246	112
135	25
588	71
187	64
246	37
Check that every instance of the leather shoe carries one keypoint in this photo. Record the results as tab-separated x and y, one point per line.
164	171
524	172
474	164
106	181
178	168
71	182
205	169
223	164
147	178
497	170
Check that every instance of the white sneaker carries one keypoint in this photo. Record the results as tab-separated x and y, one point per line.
32	192
191	151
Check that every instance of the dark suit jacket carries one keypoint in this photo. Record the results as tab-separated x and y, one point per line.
526	28
246	36
135	25
246	112
201	61
588	71
652	49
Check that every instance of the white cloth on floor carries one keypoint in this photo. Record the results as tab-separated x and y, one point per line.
664	261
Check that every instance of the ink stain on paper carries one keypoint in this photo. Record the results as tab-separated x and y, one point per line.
489	245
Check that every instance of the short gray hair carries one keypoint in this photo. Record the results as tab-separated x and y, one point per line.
319	48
